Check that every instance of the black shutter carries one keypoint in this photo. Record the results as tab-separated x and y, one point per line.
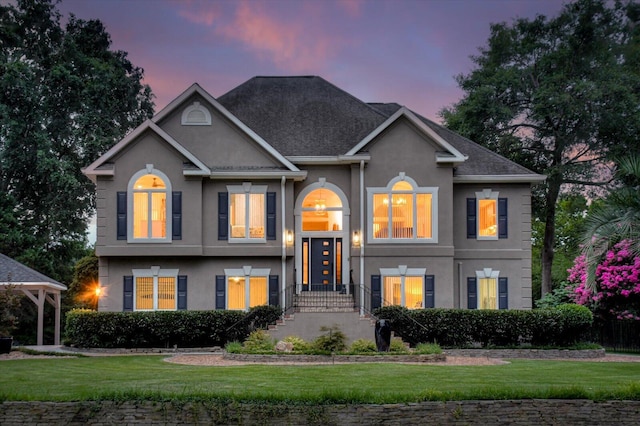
503	293
182	292
121	212
502	218
429	291
376	291
472	293
220	292
471	218
274	290
223	215
271	215
127	286
176	215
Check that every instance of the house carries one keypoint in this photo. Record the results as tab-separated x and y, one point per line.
287	186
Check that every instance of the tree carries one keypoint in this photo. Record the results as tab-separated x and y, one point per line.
617	219
570	218
82	290
559	96
65	98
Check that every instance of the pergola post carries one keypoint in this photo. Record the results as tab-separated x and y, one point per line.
40	317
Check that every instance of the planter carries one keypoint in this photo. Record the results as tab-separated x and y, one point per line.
5	344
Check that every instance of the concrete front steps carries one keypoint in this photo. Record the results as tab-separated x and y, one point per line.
306	325
315	309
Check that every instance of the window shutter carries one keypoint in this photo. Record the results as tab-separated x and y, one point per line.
472	293
471	218
220	292
503	293
182	292
223	215
271	215
121	211
176	215
502	218
127	286
429	291
376	291
274	290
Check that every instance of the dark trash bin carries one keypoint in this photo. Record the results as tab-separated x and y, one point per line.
383	335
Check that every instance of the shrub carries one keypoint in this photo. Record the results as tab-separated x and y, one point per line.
234	347
333	340
299	345
363	346
258	341
397	346
561	326
427	349
91	329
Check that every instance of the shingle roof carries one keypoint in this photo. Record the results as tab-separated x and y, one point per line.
12	271
302	116
308	116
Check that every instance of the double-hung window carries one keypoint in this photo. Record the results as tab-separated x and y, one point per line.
487	290
246	288
155	289
247	212
487	216
403	212
408	287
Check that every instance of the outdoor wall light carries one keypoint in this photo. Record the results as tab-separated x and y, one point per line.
356	239
289	237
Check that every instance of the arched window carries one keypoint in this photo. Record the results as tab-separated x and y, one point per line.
403	211
149	201
322	211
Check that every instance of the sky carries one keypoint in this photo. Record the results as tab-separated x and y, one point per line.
403	51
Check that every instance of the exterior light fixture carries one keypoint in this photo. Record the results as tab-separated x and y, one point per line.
289	237
356	239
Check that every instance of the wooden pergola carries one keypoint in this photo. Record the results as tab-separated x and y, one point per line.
37	287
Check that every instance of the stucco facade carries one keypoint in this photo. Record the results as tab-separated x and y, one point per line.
286	185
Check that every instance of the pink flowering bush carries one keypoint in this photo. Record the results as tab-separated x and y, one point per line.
617	283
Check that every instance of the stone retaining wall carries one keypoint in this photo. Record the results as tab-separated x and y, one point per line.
528	353
540	412
334	358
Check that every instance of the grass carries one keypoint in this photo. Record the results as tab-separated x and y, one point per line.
151	378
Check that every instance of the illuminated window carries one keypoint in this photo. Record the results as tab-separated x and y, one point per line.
246	288
322	211
403	286
487	293
155	289
403	211
487	216
149	206
247	212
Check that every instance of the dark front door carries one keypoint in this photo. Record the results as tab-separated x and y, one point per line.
322	264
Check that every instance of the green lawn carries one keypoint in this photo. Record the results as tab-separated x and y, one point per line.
149	377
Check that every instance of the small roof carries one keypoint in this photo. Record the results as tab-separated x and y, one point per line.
14	272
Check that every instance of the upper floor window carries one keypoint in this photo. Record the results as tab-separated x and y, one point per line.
247	213
403	211
322	211
487	216
149	207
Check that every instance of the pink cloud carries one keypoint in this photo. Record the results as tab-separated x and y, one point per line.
285	42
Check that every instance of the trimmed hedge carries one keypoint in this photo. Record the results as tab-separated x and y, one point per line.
164	329
563	326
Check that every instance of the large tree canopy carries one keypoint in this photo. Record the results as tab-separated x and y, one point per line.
560	96
65	97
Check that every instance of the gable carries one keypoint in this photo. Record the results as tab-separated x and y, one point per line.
218	143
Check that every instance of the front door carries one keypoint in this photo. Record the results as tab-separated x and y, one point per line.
322	268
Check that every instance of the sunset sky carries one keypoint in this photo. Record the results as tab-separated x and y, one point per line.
404	51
